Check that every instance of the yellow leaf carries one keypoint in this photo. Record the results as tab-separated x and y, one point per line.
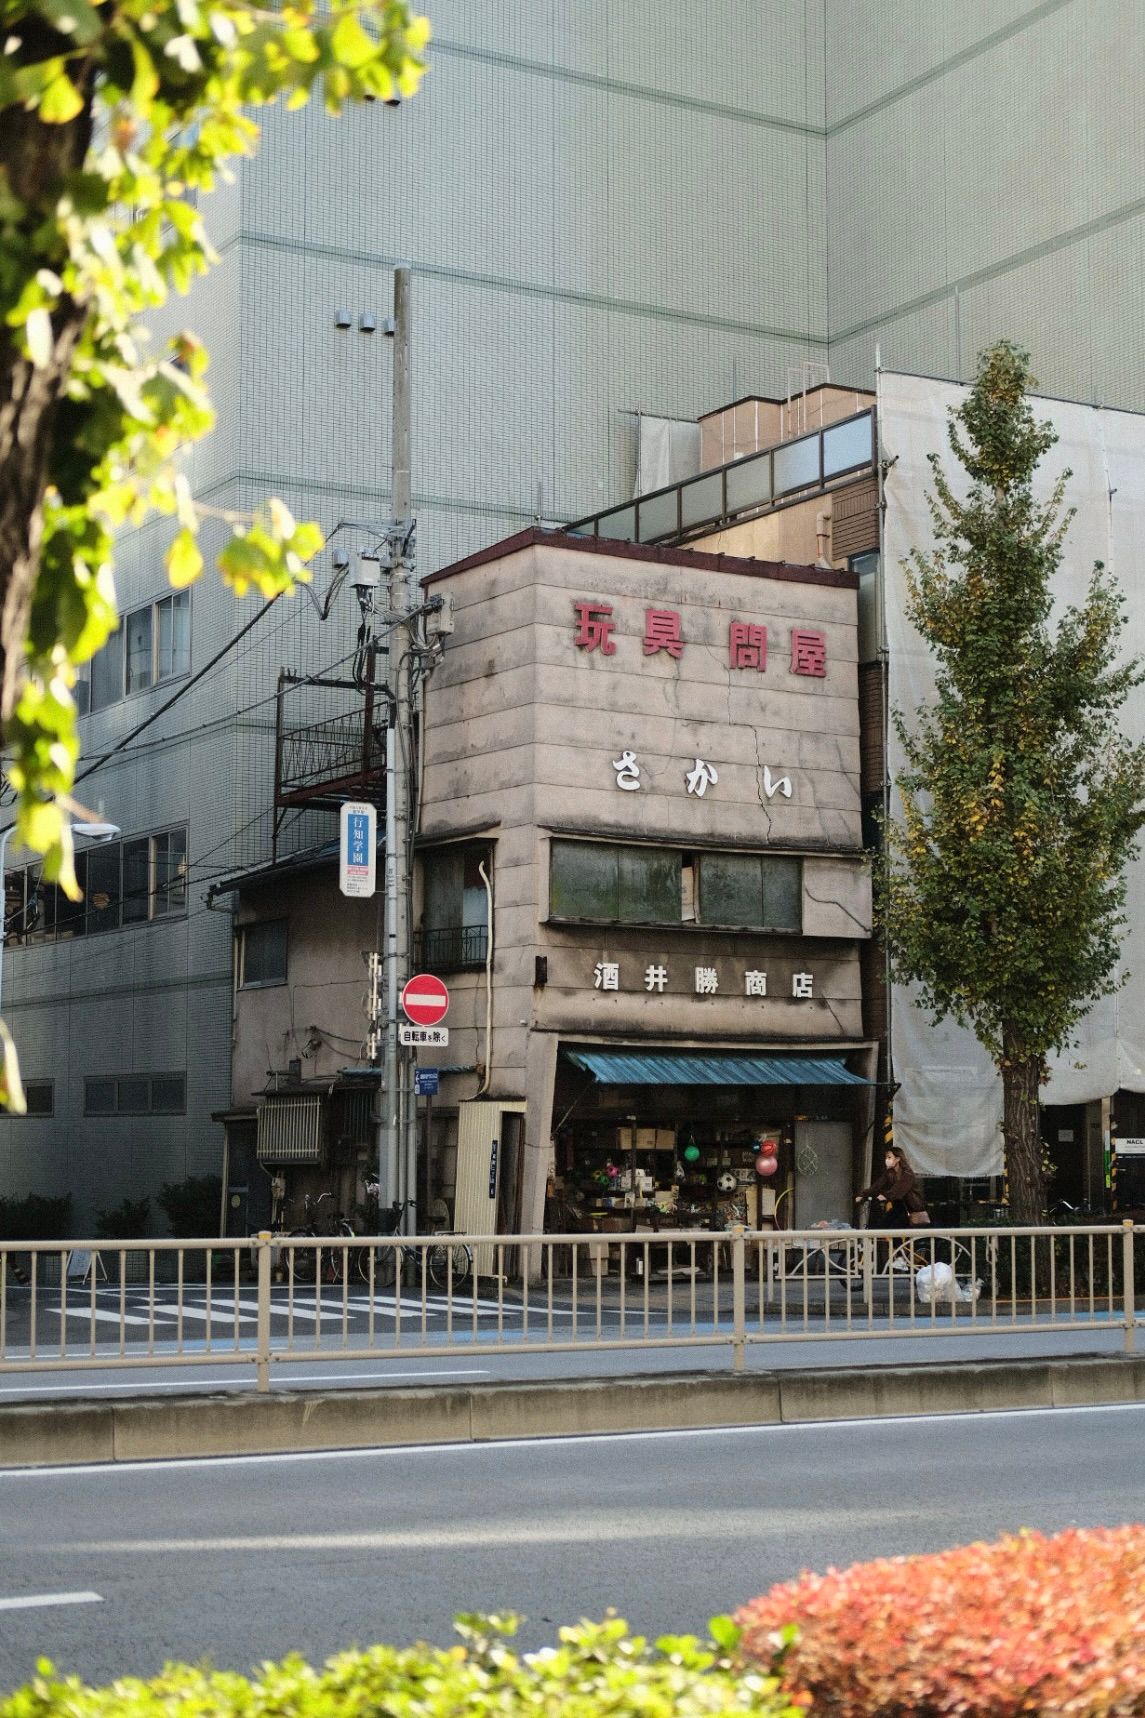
11	1085
60	102
184	560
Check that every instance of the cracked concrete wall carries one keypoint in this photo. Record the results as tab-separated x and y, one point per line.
523	730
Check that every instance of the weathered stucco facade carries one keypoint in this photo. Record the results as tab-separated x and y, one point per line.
524	732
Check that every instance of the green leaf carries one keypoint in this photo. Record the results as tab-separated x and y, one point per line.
725	1633
60	102
72	18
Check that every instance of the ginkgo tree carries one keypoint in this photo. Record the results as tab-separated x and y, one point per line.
1004	879
115	115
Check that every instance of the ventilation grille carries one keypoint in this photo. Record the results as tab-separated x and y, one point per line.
290	1129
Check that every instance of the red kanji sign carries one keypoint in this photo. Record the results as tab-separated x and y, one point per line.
662	632
594	627
747	645
425	1000
808	652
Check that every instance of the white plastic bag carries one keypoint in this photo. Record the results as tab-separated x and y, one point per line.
937	1282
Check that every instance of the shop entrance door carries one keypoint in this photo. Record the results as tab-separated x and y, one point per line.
822	1172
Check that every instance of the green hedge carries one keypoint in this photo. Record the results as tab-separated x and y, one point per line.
35	1218
598	1668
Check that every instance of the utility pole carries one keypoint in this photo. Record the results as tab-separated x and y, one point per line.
397	1166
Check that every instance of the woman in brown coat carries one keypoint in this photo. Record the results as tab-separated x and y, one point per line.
899	1200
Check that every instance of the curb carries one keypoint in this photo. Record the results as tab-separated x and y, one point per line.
36	1434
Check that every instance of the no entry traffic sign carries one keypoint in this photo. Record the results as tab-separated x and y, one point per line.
425	1000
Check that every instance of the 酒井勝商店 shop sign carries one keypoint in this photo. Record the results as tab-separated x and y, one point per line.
652	977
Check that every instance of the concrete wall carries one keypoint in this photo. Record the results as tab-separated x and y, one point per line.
318	1014
523	729
983	172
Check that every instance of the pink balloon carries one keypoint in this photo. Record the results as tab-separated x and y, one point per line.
766	1165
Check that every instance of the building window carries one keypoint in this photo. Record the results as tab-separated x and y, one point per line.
168	873
123	883
607	884
105	673
139	653
870	605
173	643
135	1095
262	954
615	885
455	916
750	890
40	1097
151	644
99	1097
102	888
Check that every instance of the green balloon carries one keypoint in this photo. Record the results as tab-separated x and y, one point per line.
691	1153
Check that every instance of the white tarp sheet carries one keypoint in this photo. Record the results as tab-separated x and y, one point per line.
948	1111
668	451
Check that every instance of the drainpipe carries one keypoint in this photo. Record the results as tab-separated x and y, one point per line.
823	538
484	875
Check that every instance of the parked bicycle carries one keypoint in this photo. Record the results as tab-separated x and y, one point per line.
448	1262
305	1259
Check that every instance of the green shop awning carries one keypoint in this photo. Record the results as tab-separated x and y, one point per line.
690	1068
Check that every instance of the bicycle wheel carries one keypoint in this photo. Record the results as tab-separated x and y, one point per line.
302	1259
449	1265
379	1265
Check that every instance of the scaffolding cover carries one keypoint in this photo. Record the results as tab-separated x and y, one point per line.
949	1107
668	451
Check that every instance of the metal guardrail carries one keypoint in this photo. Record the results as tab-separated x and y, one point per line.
742	489
133	1304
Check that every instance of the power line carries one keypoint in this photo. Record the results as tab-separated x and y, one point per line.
182	691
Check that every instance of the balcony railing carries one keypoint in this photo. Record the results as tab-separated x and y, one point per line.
743	489
457	948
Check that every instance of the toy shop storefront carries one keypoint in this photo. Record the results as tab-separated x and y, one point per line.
704	1138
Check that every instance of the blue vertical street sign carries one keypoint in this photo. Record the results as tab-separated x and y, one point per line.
357	849
425	1082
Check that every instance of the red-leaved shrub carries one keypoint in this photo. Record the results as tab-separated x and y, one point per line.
1028	1626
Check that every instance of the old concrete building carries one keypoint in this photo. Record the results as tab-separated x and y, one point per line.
652	759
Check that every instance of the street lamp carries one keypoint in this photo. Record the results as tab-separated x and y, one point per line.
98	833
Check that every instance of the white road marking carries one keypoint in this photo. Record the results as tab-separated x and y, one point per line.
602	1524
33	1601
166	1313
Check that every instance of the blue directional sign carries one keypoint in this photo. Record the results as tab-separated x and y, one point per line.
425	1082
358	842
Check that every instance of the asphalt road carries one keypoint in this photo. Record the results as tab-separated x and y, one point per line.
239	1560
